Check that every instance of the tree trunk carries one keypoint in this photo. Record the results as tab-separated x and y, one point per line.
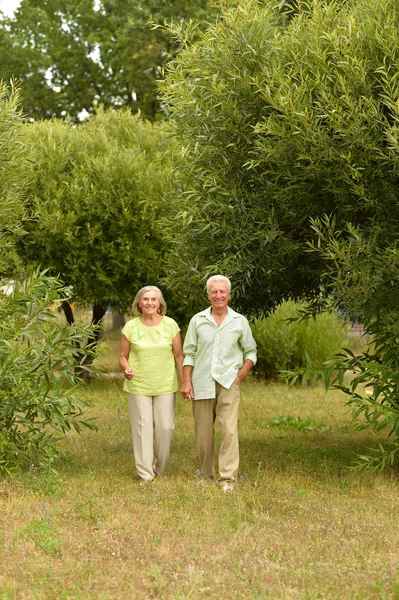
118	321
99	311
68	312
97	316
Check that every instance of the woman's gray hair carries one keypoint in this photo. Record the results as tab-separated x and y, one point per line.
162	304
218	278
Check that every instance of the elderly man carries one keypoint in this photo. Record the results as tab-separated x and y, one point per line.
219	352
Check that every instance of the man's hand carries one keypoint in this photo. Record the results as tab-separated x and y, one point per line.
187	391
245	369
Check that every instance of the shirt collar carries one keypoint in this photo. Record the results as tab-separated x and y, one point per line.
231	314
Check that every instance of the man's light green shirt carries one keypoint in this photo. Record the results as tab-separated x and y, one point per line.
217	353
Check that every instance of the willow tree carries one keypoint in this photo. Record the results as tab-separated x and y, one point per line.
12	179
280	123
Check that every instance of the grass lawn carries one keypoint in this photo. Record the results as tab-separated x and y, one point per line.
300	524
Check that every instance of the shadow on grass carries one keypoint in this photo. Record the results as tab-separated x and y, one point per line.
317	454
314	455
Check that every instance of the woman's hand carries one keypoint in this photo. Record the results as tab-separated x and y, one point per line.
187	391
128	374
124	358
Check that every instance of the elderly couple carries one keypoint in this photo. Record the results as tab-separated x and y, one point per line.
219	351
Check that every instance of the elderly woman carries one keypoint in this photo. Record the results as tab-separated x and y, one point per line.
150	351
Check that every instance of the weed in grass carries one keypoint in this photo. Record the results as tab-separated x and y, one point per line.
290	422
87	510
45	479
385	591
159	582
45	535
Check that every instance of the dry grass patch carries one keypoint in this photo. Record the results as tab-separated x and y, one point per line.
299	525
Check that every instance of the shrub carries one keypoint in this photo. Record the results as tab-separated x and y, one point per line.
286	344
372	390
38	383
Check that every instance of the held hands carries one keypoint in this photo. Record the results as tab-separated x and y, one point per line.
187	391
128	373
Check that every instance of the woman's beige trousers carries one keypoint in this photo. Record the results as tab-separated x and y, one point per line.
151	416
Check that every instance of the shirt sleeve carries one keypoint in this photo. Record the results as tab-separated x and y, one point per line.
190	344
127	330
173	328
247	342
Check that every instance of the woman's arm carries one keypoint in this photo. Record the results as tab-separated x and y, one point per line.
124	358
177	349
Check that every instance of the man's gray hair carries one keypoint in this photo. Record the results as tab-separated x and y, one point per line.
218	278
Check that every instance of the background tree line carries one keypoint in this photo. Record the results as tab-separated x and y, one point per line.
70	55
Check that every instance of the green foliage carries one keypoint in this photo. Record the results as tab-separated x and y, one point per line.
371	382
45	535
38	386
95	198
36	353
69	56
280	123
285	342
12	178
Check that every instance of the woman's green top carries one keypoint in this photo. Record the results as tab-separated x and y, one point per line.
151	358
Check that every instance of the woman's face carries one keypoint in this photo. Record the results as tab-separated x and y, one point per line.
149	302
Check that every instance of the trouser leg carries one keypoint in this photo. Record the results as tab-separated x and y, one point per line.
204	419
164	423
227	404
141	420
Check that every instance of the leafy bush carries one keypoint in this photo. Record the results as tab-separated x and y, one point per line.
38	383
373	388
95	199
285	344
12	177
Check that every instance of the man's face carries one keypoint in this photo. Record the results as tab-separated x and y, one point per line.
218	294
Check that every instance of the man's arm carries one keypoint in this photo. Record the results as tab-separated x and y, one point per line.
248	345
190	351
245	369
187	387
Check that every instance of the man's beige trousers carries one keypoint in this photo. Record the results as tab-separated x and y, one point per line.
149	414
224	408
